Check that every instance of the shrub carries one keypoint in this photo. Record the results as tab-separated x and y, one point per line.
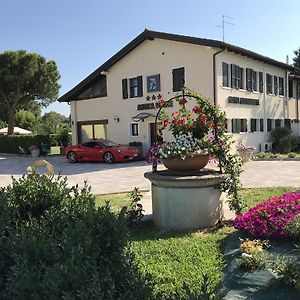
270	217
292	155
282	139
292	228
9	144
56	245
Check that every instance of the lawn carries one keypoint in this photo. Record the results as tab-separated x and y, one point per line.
183	265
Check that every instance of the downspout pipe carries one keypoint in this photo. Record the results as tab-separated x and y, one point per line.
215	76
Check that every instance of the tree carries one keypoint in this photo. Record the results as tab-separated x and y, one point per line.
25	119
53	122
296	59
26	77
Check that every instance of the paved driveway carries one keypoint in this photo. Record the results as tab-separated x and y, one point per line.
122	177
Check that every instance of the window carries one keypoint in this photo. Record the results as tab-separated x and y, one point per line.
281	86
269	124
249	82
291	87
269	84
239	125
134	129
236	77
136	87
178	79
287	123
298	91
225	81
261	82
261	125
254	80
275	85
253	125
96	89
278	123
88	130
153	83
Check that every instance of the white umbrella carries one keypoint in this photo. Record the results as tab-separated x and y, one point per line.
17	130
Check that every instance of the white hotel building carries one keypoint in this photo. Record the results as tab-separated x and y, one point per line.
117	101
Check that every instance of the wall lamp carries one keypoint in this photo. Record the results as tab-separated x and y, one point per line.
117	119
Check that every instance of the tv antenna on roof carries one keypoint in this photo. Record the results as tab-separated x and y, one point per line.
223	24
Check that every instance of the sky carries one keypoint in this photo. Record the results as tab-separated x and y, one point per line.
80	35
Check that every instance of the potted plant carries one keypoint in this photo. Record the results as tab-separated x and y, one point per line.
193	133
34	150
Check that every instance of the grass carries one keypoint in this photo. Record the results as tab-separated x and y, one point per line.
183	265
55	150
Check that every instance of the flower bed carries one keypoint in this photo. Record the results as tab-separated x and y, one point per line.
269	218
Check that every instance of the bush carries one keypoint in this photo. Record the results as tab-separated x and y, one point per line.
10	144
269	218
54	244
282	139
292	228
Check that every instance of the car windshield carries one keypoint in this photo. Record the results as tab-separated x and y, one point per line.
108	143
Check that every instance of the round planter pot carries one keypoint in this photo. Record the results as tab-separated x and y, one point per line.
190	164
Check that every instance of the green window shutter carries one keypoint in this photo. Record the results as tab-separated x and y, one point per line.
261	82
233	79
225	74
125	88
140	86
261	125
254	80
249	79
275	85
178	79
240	77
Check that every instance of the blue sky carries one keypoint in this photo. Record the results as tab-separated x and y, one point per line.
80	35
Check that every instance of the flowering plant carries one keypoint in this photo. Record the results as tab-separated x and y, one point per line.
269	218
243	147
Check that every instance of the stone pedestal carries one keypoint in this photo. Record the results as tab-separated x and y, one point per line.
184	202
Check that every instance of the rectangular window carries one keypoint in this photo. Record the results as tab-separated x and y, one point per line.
275	85
269	124
241	78
225	81
281	86
261	125
235	76
178	79
125	88
239	125
278	123
254	80
249	82
261	82
136	87
269	84
253	125
134	129
287	123
291	87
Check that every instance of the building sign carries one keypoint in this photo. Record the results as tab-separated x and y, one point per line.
239	100
152	105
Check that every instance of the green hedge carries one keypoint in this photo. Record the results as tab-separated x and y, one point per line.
55	244
10	144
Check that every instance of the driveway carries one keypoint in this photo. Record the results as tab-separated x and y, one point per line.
121	177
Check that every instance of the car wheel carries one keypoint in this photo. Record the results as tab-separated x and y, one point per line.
108	157
72	158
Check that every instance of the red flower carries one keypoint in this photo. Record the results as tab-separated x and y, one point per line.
197	109
161	101
219	124
203	120
182	101
211	124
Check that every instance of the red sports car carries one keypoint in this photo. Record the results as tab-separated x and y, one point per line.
101	150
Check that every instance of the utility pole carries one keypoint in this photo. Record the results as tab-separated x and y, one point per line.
224	22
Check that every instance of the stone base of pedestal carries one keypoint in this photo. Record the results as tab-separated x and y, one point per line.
184	202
